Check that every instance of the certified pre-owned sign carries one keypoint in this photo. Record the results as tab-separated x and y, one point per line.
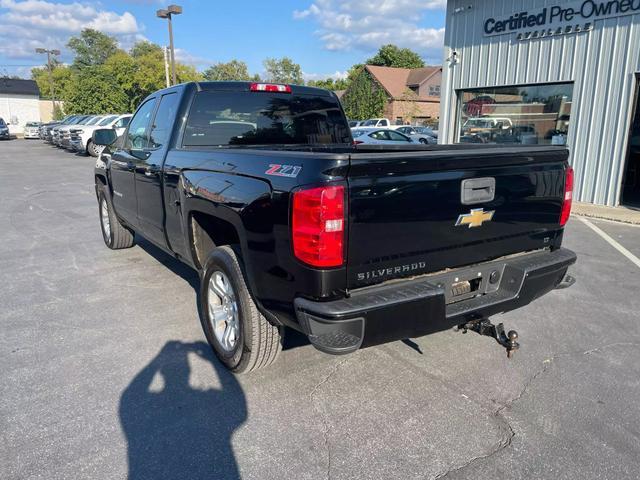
570	17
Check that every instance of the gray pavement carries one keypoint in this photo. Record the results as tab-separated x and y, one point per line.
105	371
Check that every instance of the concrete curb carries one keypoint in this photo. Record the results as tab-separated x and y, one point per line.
615	214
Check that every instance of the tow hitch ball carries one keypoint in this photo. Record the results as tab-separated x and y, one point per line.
485	327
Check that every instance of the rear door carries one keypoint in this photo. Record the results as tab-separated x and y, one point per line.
407	214
125	159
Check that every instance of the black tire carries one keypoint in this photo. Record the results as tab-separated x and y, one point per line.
423	141
90	149
117	236
258	342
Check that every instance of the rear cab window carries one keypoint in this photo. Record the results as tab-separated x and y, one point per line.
243	118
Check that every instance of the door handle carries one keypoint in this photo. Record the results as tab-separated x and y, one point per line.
477	190
152	171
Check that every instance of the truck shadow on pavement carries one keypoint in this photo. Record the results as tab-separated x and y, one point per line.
175	431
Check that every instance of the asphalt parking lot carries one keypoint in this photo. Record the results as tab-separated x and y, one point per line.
105	373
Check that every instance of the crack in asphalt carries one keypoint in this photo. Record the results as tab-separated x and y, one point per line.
506	441
325	423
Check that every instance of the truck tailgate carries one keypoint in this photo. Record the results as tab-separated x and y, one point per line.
404	206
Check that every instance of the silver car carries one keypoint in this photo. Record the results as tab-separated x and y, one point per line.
379	136
32	130
423	135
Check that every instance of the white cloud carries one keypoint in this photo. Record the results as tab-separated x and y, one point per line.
183	56
323	76
29	24
351	24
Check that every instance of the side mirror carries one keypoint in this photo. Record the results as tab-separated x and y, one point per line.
104	136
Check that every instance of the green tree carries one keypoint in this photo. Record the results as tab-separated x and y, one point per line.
140	49
142	72
283	70
330	83
392	56
233	70
364	98
57	113
95	90
92	48
62	78
187	73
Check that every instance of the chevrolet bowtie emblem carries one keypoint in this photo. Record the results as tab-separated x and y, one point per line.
476	218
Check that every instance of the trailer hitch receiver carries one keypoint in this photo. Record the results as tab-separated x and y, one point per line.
485	327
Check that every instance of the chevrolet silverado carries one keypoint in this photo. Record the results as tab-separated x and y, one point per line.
260	188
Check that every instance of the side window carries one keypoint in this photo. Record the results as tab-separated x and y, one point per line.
379	135
163	121
384	123
396	137
122	123
139	127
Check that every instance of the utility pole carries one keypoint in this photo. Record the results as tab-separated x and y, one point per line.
50	68
166	65
168	13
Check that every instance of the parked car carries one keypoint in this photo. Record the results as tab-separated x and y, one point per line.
46	130
376	122
422	135
355	123
288	224
487	127
379	136
32	130
525	134
67	121
4	130
80	140
61	133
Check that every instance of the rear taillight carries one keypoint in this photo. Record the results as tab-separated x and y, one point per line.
318	226
358	142
568	197
269	87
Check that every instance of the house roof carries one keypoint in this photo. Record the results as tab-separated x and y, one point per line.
18	86
396	80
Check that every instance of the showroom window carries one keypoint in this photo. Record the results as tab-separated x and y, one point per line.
527	114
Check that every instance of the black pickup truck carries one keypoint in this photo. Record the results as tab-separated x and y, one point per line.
260	189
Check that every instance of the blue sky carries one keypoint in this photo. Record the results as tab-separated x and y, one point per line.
325	37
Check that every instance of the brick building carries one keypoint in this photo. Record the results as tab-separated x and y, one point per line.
413	95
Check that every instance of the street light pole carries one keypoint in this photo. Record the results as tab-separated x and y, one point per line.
50	69
166	65
168	13
173	58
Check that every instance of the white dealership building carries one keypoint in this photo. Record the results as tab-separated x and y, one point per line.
549	72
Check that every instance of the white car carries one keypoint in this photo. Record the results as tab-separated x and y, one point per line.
63	132
376	122
81	136
422	135
32	130
379	136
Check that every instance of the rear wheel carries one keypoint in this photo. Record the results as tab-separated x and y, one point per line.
114	233
242	338
423	141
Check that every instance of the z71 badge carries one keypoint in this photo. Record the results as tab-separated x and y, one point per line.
290	171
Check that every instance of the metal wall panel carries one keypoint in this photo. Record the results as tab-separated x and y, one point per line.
602	64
